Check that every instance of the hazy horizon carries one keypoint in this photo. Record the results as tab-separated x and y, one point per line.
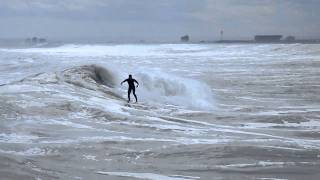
134	20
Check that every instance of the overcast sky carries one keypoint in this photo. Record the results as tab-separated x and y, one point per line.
158	19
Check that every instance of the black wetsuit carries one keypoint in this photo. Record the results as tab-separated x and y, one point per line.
131	88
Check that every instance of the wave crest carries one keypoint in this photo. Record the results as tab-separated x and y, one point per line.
90	74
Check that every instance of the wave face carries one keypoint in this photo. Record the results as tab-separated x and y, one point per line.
205	110
90	73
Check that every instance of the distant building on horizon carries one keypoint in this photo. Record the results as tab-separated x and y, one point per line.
267	38
221	35
289	39
184	38
35	40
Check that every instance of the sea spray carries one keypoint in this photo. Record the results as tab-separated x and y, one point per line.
158	86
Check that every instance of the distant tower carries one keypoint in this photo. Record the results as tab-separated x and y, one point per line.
221	35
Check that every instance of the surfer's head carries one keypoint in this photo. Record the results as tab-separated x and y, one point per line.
130	76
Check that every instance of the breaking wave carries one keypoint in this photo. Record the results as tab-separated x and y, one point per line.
155	86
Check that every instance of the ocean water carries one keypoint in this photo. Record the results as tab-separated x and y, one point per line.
205	111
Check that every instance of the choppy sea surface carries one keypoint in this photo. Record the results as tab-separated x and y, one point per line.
205	111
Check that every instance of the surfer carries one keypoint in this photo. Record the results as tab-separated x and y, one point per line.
132	88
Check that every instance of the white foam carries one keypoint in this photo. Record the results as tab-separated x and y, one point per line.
108	105
90	157
17	138
30	152
312	124
272	179
173	140
150	176
67	123
161	87
124	50
265	164
173	127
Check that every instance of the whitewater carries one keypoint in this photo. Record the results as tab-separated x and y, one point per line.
205	111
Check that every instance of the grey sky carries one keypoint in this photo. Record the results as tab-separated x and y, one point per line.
158	19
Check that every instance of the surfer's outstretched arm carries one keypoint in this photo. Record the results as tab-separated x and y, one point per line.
123	81
136	82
